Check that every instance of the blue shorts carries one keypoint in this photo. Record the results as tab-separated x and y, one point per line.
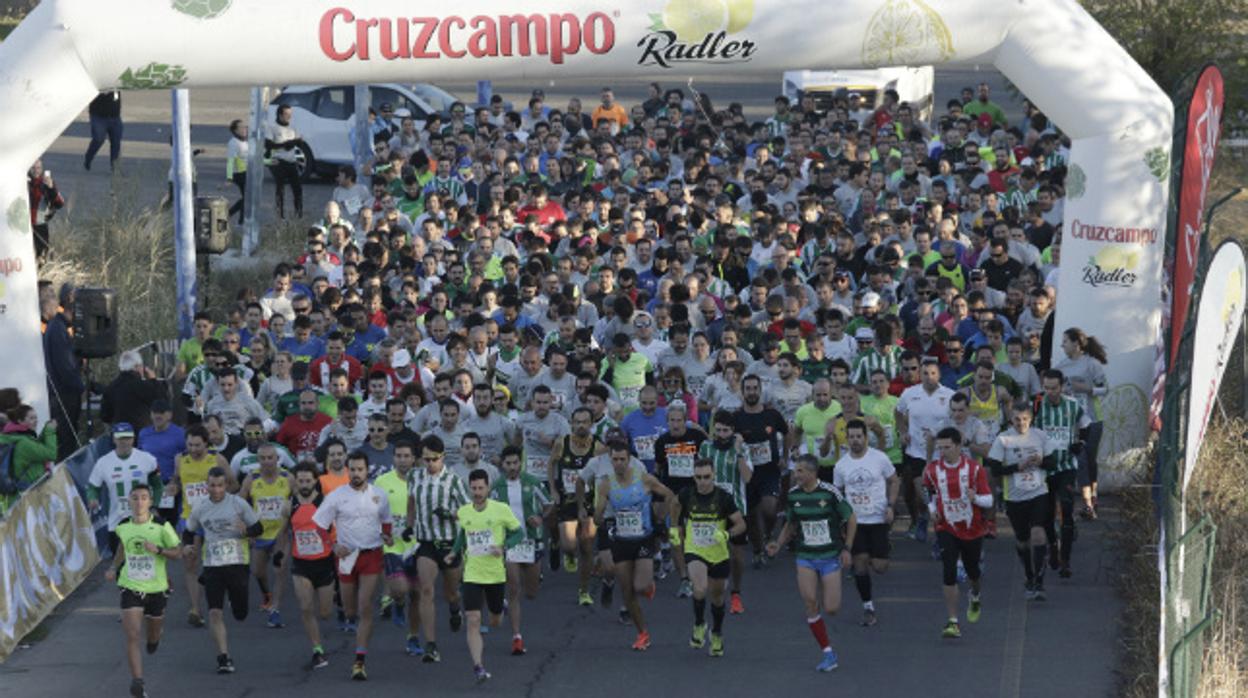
823	566
397	566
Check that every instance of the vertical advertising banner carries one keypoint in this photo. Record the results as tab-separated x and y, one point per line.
1201	130
1219	316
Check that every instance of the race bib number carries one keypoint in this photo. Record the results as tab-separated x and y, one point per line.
140	568
958	510
630	395
703	533
890	437
816	533
525	553
628	524
697	385
537	468
861	500
569	478
196	493
225	552
1027	480
1059	437
680	466
480	542
309	544
759	453
269	508
645	447
166	501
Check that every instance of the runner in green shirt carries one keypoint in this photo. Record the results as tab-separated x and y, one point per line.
486	528
146	542
706	517
527	499
628	371
823	524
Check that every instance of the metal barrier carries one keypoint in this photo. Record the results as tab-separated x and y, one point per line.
1188	611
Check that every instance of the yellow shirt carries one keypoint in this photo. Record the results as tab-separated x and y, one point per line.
269	500
481	530
193	475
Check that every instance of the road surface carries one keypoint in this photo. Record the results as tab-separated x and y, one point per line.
1067	644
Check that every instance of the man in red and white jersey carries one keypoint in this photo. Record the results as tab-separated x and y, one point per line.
335	357
360	516
959	497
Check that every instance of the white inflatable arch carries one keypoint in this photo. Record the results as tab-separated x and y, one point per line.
1119	120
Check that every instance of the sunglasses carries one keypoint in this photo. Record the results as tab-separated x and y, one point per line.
380	430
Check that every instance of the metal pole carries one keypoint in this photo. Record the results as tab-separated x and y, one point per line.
255	170
362	142
184	213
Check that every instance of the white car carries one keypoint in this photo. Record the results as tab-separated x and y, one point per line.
323	115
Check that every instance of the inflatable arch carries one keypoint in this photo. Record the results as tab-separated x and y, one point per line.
1119	120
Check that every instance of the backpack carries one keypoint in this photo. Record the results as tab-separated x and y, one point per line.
8	479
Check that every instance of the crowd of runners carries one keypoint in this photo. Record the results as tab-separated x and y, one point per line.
634	343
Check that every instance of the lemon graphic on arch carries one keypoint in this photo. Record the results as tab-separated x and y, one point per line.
691	20
740	14
1111	258
906	32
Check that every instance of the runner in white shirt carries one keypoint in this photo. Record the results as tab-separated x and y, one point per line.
921	410
1024	457
868	480
116	472
360	516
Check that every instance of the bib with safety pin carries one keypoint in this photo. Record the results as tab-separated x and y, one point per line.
309	543
958	510
269	508
816	533
704	533
537	467
760	453
225	552
140	568
480	542
628	524
680	465
524	553
569	478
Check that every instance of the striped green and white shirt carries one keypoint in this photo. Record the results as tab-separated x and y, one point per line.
870	360
436	499
1061	424
1019	199
727	472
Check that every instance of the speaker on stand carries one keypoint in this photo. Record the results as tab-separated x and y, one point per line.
212	236
95	333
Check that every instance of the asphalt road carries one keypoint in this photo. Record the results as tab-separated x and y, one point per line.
1067	644
145	162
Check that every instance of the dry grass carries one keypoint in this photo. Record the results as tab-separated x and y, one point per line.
1135	538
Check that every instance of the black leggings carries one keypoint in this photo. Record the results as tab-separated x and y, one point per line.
952	547
286	173
240	181
1087	458
1061	494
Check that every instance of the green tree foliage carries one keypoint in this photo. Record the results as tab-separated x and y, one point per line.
1172	38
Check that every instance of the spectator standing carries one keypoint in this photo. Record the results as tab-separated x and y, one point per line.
45	201
129	398
65	384
32	449
105	114
280	140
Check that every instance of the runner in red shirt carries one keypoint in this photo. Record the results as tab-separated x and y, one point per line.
958	497
312	568
548	212
300	432
335	357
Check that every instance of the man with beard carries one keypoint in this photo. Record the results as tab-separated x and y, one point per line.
495	430
810	426
312	565
360	517
763	430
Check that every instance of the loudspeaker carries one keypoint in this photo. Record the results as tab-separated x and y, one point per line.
212	225
95	322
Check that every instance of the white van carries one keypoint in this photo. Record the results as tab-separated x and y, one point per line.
914	86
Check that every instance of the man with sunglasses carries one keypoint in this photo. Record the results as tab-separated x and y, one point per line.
246	461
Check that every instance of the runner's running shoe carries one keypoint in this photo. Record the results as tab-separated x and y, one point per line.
357	671
736	607
829	662
717	645
584	599
319	660
225	665
517	645
431	653
952	631
643	641
413	647
973	610
698	640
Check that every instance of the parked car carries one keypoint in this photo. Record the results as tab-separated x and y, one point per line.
913	85
322	114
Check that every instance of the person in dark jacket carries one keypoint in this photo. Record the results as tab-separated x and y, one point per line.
105	113
45	201
65	384
130	396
